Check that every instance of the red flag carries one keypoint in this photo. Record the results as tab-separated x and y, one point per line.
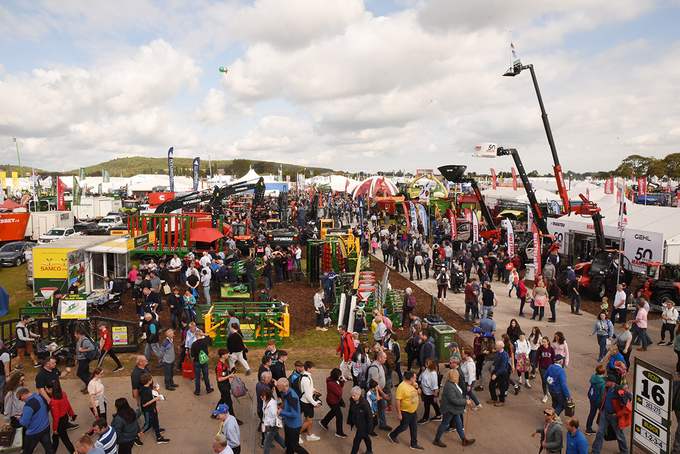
493	178
514	179
468	215
609	186
452	221
346	184
587	194
642	186
61	203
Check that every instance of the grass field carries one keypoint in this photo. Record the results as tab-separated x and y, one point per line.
13	280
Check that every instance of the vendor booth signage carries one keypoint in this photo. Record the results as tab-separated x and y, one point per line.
119	335
74	306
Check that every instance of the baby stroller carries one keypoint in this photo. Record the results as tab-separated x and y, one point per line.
45	348
457	282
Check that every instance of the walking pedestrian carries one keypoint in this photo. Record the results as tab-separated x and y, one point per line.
105	347
540	301
624	341
291	415
430	391
560	346
95	389
443	279
615	413
61	411
407	404
604	330
576	442
545	357
551	432
670	319
125	424
36	420
84	351
334	385
595	396
167	360
499	376
468	369
453	404
199	353
556	378
361	417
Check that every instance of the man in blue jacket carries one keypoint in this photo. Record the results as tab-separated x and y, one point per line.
427	348
35	418
556	378
499	376
291	416
576	442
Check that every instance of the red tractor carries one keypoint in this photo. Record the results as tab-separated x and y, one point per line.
661	283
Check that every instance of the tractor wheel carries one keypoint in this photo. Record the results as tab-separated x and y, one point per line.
597	289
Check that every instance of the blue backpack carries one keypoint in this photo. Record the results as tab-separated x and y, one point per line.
592	393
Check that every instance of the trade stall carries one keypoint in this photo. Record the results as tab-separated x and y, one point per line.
652	232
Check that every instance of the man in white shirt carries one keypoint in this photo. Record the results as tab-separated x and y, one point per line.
319	308
307	402
670	319
620	305
220	446
205	260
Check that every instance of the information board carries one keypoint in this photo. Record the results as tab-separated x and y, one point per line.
652	397
74	306
119	335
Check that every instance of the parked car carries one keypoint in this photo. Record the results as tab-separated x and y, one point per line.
88	228
57	234
12	254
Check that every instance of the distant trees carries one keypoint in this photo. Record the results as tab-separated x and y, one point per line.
641	166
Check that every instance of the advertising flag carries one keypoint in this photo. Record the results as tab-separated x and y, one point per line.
493	179
76	191
81	173
406	216
514	179
452	221
106	176
197	166
424	196
609	186
587	194
15	179
346	184
423	218
171	170
414	216
61	203
537	252
468	215
361	220
530	219
642	186
475	228
623	217
511	238
3	179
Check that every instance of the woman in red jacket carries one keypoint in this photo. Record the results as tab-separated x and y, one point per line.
334	385
61	410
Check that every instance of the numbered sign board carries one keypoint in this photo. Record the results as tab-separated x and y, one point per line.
652	396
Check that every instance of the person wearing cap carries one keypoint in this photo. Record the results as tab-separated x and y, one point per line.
229	427
556	379
453	349
105	346
614	413
670	319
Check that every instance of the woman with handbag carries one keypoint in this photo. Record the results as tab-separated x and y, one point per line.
552	435
522	352
334	384
604	330
270	421
540	301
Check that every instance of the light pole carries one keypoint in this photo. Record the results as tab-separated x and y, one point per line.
21	170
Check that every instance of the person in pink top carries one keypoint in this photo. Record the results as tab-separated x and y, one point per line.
640	325
560	346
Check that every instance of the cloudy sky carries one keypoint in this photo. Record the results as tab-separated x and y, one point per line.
347	84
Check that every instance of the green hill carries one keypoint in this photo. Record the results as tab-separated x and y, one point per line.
128	167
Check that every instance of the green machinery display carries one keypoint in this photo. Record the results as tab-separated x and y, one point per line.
259	322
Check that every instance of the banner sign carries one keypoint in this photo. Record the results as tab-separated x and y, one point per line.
537	251
414	217
642	186
514	179
106	176
423	218
15	179
452	220
61	187
81	173
76	191
406	216
493	179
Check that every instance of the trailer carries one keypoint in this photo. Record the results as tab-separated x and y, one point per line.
96	207
42	222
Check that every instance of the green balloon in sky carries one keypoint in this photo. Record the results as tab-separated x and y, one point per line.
223	69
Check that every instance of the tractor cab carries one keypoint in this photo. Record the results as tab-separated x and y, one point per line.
661	283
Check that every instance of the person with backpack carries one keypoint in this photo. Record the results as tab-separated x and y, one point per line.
199	352
556	378
615	412
86	352
442	278
393	346
409	306
376	372
151	329
595	396
427	349
308	401
345	350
